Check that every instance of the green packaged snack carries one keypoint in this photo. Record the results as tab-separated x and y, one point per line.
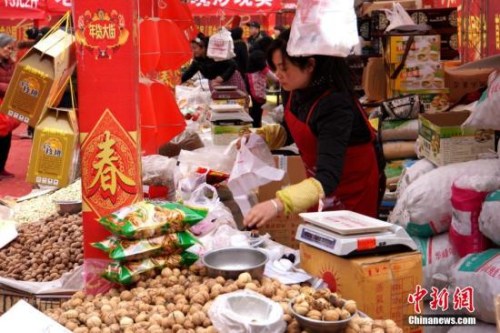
145	248
107	245
134	271
146	220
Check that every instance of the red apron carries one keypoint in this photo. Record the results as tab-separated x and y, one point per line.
357	190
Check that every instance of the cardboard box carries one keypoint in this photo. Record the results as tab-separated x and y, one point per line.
55	151
379	284
227	126
463	81
444	141
283	229
436	100
422	68
39	78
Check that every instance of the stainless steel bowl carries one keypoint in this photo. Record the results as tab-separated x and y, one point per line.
231	262
319	326
68	207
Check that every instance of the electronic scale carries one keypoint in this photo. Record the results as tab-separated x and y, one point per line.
345	233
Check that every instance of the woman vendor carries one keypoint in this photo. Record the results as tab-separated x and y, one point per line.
223	72
332	133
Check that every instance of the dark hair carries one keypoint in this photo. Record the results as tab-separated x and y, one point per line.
333	71
237	33
36	34
263	43
200	40
256	61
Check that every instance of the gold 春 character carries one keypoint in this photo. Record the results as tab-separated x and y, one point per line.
108	176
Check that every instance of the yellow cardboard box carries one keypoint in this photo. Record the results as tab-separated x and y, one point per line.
422	68
40	77
283	229
444	141
380	284
55	150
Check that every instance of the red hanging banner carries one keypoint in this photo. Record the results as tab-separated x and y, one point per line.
213	7
108	78
58	6
23	9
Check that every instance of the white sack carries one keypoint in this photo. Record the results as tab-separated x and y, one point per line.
424	208
489	220
487	113
481	271
438	257
412	173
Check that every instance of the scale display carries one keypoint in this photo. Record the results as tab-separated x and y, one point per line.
391	237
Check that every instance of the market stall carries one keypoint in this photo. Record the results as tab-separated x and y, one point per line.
137	225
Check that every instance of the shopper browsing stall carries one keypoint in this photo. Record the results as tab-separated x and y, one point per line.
7	124
223	72
333	135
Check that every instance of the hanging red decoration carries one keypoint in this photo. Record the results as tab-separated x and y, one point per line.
175	49
149	45
169	120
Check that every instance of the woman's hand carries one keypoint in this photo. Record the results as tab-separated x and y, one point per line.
217	81
262	213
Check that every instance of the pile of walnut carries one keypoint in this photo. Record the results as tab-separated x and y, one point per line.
44	250
367	325
175	301
323	305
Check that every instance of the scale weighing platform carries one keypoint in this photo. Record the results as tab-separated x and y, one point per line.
345	233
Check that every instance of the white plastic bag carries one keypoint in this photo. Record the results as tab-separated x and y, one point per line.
487	113
424	208
205	197
246	311
221	46
489	220
326	27
206	157
397	17
254	167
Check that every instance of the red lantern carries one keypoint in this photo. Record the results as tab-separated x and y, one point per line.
175	50
176	11
169	120
148	8
161	119
149	45
148	120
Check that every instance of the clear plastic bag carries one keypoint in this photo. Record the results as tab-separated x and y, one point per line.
246	311
158	170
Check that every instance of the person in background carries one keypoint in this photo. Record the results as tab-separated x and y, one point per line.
331	130
7	124
257	77
34	35
240	49
217	72
255	34
278	30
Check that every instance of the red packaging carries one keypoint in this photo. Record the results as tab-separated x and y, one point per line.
464	230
